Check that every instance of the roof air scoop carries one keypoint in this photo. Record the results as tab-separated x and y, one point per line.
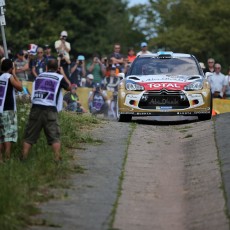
195	77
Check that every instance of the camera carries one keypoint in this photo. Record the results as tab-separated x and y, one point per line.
80	62
60	55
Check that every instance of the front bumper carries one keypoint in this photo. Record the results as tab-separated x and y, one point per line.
155	103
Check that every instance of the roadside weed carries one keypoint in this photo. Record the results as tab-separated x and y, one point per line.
26	184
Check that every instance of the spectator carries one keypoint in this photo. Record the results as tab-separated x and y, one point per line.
218	82
39	63
78	70
32	52
62	46
46	102
202	66
71	101
144	49
48	54
127	65
22	66
227	93
96	68
64	62
1	52
131	55
8	119
98	101
211	64
116	58
112	80
89	81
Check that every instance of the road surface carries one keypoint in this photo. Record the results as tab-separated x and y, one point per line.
148	174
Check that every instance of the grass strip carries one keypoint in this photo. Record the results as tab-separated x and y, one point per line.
25	184
121	178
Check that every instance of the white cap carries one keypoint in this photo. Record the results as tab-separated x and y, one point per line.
64	33
90	76
202	65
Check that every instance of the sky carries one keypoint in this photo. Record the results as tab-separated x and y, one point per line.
134	2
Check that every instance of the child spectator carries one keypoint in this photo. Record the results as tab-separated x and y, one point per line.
71	101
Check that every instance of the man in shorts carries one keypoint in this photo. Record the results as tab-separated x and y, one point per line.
8	117
46	102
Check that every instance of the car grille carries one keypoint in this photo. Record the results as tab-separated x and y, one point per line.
164	98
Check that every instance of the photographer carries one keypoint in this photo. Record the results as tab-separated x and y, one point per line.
97	68
78	71
64	62
98	101
62	46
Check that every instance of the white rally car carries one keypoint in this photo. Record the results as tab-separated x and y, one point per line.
164	83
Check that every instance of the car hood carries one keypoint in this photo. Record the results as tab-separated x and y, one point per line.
158	82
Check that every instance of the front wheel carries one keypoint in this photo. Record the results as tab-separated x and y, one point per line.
122	117
204	117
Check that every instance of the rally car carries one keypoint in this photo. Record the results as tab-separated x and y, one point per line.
164	83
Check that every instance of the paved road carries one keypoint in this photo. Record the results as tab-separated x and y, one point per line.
172	179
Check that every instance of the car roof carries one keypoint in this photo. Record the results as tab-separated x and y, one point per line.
173	55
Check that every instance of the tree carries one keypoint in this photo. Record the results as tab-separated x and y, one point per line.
92	26
192	26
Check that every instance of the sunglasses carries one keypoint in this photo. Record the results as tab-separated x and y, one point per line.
40	52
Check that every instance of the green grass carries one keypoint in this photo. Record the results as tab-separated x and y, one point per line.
23	185
121	179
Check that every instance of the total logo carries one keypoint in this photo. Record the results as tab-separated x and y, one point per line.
164	85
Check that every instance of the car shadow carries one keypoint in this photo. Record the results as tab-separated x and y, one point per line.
165	120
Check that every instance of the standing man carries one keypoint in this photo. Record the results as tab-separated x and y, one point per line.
46	102
144	49
96	68
39	64
116	58
78	71
48	53
8	118
22	66
210	68
218	82
62	46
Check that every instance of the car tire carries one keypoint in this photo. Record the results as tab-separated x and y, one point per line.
122	117
204	117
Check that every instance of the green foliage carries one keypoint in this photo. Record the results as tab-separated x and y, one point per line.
24	184
92	26
192	26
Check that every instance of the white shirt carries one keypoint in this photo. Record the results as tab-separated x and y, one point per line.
141	52
217	82
228	87
67	44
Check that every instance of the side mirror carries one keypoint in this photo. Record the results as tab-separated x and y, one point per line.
121	76
208	74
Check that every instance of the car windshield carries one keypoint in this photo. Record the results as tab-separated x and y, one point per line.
167	66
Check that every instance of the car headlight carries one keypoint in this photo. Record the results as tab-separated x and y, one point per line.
131	85
196	85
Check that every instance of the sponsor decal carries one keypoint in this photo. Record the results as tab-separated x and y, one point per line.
164	85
